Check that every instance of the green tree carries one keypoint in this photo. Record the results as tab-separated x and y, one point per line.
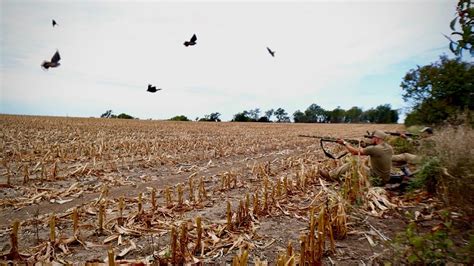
254	114
439	90
385	115
382	114
242	117
369	116
179	118
107	114
124	116
462	28
213	117
353	115
337	115
282	115
300	117
269	114
315	113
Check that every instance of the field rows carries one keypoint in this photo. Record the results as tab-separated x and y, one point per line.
160	171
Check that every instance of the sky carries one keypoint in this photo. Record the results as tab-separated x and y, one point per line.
332	53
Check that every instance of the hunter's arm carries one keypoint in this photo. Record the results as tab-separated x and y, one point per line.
352	150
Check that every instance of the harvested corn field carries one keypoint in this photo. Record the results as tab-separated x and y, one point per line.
102	190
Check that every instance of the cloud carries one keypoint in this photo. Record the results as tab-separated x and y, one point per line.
326	53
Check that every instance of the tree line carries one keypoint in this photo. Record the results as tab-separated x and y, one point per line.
382	114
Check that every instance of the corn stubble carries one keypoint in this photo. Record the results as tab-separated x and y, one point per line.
70	150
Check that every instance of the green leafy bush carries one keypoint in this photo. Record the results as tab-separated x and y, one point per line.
428	176
433	247
401	145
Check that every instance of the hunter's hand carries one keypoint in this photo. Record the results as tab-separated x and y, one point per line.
341	141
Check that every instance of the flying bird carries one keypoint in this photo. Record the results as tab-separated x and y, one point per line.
54	23
152	88
192	41
54	61
271	52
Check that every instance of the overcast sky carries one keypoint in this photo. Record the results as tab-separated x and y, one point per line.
332	53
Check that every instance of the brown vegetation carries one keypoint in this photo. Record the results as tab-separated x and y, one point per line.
133	190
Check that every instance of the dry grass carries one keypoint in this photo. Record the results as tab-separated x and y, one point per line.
454	148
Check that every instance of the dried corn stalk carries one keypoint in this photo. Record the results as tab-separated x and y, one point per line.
229	217
52	228
14	253
241	259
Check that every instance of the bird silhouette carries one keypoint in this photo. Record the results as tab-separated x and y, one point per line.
271	52
191	42
54	23
54	61
152	88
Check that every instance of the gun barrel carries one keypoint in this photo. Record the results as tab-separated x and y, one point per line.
331	139
398	134
324	138
315	137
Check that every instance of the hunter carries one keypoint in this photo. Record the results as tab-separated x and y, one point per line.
380	154
423	141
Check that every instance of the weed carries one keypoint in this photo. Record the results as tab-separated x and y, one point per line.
433	247
427	176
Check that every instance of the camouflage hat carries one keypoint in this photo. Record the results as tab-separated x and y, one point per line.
379	134
427	130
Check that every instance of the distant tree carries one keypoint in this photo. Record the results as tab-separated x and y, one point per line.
124	116
315	113
282	115
213	117
269	114
394	116
300	117
337	115
369	116
263	119
382	114
107	114
438	91
353	115
179	118
242	117
254	114
385	114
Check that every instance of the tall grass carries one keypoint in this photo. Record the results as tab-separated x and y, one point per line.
453	148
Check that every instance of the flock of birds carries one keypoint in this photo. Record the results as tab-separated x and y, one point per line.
56	57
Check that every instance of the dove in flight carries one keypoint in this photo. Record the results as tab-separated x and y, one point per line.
54	61
152	88
271	52
191	42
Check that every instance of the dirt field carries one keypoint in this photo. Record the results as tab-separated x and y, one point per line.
106	172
